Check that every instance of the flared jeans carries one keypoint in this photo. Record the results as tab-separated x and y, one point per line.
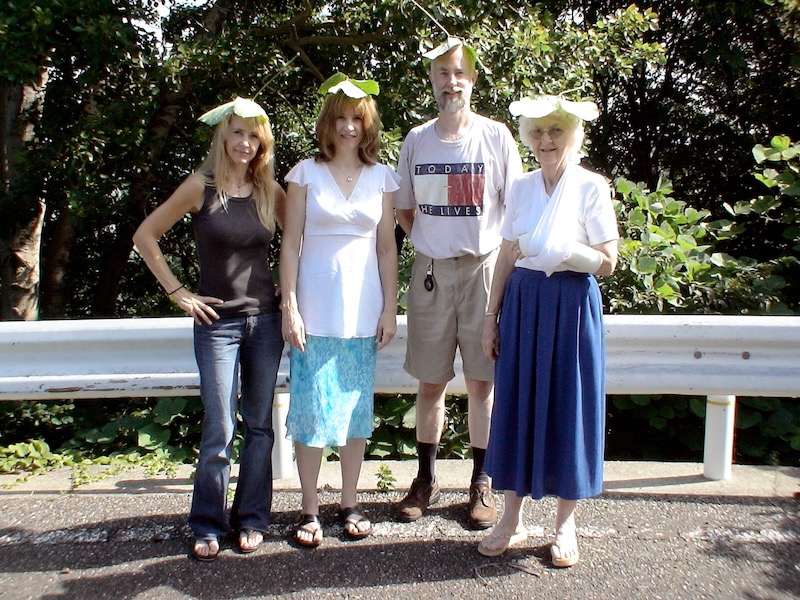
229	349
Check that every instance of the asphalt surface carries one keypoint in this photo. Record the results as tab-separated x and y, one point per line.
659	531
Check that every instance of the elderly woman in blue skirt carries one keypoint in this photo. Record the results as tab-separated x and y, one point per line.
339	283
544	329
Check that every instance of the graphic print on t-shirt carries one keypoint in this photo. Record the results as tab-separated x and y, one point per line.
450	189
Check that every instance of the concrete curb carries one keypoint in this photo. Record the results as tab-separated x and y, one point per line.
621	477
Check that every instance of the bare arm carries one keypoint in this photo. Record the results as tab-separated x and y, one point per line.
280	203
609	250
294	220
509	253
188	198
405	218
387	268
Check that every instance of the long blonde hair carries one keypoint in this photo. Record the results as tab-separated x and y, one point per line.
217	169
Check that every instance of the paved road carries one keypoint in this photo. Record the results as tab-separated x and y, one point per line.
659	531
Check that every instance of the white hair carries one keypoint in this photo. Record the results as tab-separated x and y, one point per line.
574	129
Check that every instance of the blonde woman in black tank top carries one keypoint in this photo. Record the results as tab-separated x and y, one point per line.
233	200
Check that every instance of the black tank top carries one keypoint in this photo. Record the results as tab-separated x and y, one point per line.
233	247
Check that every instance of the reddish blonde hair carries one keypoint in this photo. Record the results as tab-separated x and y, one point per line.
367	109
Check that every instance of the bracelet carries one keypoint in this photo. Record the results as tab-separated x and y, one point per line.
175	290
490	314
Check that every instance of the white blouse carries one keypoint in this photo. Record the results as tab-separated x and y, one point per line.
339	291
585	214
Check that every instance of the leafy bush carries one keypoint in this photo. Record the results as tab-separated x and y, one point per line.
667	261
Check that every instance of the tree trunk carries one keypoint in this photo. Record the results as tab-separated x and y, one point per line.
55	259
20	271
24	208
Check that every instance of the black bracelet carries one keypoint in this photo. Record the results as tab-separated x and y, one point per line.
175	290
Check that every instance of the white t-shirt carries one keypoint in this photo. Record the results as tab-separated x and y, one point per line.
589	213
458	188
339	291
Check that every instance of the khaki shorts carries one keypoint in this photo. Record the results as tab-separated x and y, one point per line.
449	316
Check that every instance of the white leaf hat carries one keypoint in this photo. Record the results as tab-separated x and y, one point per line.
536	108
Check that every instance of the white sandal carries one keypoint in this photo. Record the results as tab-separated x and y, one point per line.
559	559
484	547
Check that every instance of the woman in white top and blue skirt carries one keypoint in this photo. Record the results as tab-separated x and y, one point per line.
544	329
338	271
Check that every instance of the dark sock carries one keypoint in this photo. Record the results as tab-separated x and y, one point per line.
478	458
426	454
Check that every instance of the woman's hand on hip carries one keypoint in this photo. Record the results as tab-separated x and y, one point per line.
197	307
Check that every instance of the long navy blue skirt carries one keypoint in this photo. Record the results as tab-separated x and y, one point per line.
548	421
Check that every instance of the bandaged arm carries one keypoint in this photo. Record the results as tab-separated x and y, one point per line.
525	244
583	258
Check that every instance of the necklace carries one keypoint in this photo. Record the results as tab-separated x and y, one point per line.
239	187
349	177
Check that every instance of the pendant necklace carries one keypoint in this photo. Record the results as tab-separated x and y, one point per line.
349	177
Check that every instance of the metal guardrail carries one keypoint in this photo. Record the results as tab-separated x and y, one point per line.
716	356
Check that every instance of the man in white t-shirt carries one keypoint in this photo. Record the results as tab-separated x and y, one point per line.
455	172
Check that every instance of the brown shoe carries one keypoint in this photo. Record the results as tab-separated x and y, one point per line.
419	497
482	511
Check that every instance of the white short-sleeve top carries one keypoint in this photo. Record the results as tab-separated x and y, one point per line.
591	220
339	290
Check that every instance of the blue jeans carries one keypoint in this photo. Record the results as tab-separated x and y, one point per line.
252	346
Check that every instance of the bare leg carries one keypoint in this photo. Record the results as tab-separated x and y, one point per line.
351	456
564	550
309	461
430	412
479	415
509	529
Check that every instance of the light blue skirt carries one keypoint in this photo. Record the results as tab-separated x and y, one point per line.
332	385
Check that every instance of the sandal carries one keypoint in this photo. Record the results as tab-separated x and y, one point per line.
495	544
564	551
205	542
351	518
250	540
308	524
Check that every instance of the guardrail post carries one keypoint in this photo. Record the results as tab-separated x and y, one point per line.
282	458
718	451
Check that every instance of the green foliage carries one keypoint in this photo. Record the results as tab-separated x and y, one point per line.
395	434
768	431
778	212
386	479
34	456
668	260
157	435
673	426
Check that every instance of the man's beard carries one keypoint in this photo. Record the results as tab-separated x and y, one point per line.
452	104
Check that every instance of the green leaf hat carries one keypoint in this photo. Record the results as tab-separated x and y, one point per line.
241	107
454	42
352	88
